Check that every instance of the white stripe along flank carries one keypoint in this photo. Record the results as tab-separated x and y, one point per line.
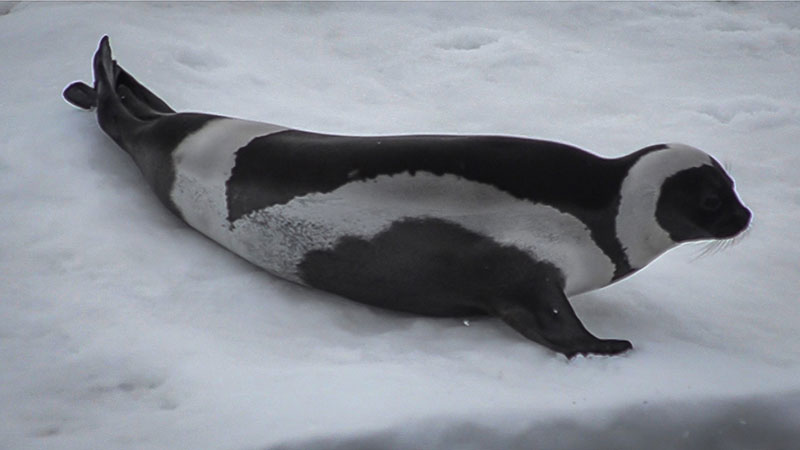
203	163
278	237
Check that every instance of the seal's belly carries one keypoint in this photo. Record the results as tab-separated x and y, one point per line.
278	238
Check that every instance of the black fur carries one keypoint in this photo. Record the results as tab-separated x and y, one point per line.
152	149
424	266
700	203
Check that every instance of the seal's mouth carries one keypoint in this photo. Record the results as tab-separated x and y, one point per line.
733	225
727	238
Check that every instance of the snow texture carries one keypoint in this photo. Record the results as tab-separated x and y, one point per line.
122	328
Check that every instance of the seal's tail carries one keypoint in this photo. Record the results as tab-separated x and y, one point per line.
120	100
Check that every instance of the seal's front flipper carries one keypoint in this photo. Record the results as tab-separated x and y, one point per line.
546	317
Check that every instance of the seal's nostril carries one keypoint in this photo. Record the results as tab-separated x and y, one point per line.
743	215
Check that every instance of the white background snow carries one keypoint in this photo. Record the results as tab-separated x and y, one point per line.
121	328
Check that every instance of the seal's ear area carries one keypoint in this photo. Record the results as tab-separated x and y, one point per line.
700	203
79	94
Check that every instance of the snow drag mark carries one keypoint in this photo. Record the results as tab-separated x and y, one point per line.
751	112
466	38
200	58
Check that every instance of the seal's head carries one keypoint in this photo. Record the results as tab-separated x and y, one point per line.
701	203
675	193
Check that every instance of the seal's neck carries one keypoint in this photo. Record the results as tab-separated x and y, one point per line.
640	234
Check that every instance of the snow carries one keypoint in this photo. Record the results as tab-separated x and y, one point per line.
124	329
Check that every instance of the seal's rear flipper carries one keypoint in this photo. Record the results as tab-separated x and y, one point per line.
112	83
143	96
81	95
123	106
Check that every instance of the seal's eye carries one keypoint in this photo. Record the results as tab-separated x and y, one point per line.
711	203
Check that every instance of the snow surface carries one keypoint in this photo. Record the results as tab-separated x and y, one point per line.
121	328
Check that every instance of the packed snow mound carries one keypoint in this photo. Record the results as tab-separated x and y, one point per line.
124	329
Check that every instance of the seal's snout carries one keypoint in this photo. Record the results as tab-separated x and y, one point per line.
741	218
743	215
734	223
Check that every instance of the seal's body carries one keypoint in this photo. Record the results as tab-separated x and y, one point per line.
434	225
